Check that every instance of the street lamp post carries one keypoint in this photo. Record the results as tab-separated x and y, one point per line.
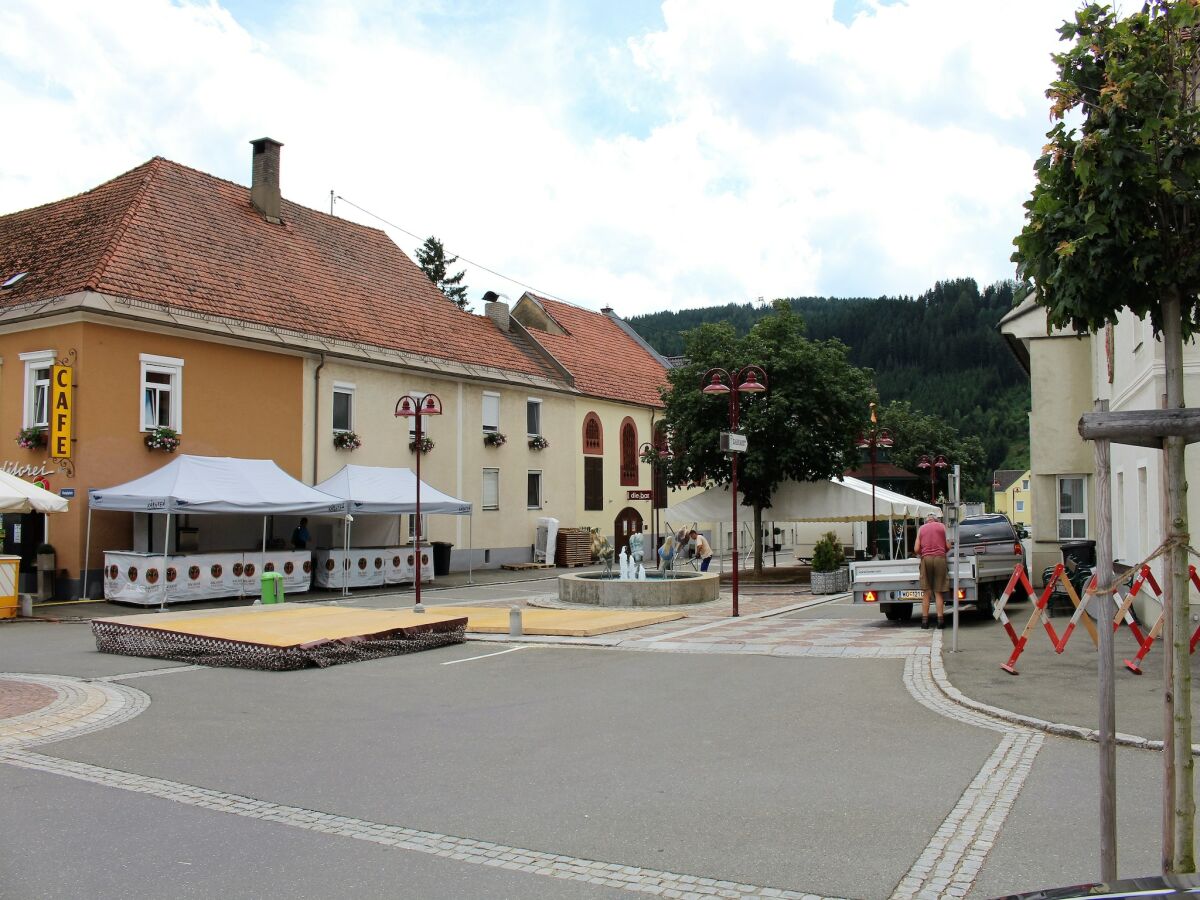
874	438
747	380
934	464
656	456
409	408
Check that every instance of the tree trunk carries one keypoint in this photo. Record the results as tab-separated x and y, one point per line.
1179	803
758	541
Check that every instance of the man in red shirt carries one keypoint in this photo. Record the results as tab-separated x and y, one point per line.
932	546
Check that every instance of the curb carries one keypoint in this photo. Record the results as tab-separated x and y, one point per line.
1006	715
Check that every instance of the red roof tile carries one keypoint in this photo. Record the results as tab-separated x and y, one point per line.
605	361
167	234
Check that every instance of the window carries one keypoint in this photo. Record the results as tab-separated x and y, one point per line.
535	490
593	482
162	392
343	407
533	417
491	489
37	387
629	455
491	412
593	435
1072	508
412	528
1020	506
1024	484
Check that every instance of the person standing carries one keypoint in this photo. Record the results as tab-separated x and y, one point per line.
300	537
932	546
703	549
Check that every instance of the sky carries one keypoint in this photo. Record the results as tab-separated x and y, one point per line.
638	155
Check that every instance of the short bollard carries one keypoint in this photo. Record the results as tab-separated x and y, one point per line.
514	622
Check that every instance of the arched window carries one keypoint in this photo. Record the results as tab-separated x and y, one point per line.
593	435
629	453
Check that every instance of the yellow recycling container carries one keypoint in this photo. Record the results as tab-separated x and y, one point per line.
272	587
8	586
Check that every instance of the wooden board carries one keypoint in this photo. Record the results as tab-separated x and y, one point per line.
519	567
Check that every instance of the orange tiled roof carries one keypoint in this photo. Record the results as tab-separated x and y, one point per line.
167	234
605	361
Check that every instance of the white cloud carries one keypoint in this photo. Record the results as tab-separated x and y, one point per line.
735	151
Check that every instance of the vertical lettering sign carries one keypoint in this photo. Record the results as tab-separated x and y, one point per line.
61	412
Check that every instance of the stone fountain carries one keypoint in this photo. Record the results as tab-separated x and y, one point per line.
631	585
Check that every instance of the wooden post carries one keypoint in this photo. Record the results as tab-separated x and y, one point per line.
1104	616
1180	805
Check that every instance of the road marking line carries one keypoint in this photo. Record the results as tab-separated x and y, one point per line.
146	673
485	656
465	850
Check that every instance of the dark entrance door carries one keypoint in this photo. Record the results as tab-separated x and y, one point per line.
23	534
628	521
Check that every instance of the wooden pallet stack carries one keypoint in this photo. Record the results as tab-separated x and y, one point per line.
574	547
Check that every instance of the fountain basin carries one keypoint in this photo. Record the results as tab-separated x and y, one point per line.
596	589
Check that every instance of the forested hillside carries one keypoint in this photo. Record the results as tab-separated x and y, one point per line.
939	351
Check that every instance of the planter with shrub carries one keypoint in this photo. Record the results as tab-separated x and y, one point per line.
830	574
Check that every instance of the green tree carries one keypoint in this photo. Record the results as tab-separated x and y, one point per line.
1114	223
803	428
431	257
915	434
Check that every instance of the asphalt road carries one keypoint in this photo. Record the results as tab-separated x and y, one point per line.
812	774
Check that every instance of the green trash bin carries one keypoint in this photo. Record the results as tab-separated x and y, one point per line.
272	587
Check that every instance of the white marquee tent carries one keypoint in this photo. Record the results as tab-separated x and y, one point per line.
20	496
848	500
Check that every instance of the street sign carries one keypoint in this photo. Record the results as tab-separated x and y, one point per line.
639	495
66	493
733	443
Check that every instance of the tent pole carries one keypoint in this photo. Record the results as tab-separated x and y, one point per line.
162	606
471	547
87	547
346	552
262	558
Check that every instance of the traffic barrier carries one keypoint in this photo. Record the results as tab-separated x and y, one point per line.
1134	665
1123	614
1039	607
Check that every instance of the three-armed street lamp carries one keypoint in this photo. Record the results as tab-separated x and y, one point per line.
934	464
872	439
407	408
747	380
656	456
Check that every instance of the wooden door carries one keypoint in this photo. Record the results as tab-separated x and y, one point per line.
628	521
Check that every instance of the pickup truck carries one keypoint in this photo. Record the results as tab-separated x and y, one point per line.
989	550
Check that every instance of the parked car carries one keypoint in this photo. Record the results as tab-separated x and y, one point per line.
992	538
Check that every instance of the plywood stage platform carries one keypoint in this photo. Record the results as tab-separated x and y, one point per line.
285	636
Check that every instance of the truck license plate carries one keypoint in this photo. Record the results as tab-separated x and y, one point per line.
911	595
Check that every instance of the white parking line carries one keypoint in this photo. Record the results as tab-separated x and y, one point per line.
486	655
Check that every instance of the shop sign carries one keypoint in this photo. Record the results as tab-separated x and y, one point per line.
640	495
61	412
67	493
25	470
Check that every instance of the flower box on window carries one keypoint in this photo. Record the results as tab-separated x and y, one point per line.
422	446
346	440
494	439
537	442
165	439
31	438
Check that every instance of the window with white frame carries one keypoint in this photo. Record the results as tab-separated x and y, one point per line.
533	417
162	392
1020	506
37	388
491	489
343	406
535	490
491	412
1072	507
1024	484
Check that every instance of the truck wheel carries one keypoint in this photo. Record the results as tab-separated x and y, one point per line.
898	612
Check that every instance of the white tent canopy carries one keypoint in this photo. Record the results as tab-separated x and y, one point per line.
379	490
217	484
20	496
848	500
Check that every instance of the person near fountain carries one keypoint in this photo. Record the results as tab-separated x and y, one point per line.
703	549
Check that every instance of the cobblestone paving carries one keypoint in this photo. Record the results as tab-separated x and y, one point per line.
951	861
78	707
20	697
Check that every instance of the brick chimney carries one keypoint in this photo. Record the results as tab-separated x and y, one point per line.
264	184
496	310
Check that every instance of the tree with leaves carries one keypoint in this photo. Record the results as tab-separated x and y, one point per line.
1114	224
802	429
916	434
431	257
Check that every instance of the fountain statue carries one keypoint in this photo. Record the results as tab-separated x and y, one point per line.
605	555
637	551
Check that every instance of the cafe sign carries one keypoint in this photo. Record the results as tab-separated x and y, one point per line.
640	495
62	412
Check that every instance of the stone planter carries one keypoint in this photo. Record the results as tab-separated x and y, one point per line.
831	582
